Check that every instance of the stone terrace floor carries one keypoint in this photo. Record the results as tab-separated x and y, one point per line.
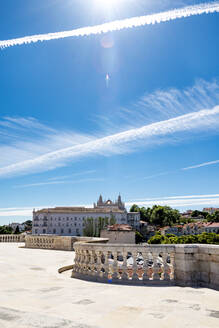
33	294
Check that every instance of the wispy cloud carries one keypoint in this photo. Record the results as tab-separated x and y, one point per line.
119	142
22	212
179	201
202	8
25	138
162	104
45	183
155	175
201	165
26	212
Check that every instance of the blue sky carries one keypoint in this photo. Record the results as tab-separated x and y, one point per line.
132	111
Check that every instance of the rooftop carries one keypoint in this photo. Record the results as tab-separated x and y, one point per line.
34	295
61	210
119	227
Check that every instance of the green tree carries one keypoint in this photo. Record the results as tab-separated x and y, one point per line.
196	213
164	215
156	239
94	226
145	213
204	238
134	208
5	230
138	237
216	216
17	231
28	225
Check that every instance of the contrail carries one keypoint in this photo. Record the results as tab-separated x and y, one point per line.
201	165
203	8
189	122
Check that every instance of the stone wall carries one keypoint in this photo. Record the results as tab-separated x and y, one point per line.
182	265
119	237
65	243
12	238
197	265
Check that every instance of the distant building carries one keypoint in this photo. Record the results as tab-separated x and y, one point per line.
70	221
210	210
119	234
194	228
187	214
14	225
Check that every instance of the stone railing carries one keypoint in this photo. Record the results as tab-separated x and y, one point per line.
124	264
183	265
12	238
65	243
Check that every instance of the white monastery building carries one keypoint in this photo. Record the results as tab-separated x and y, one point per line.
70	221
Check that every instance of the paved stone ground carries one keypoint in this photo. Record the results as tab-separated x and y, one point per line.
34	295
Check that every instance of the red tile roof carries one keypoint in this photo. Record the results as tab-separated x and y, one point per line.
119	227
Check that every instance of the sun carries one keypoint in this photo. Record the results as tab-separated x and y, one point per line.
109	4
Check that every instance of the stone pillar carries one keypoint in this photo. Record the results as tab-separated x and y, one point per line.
186	265
135	267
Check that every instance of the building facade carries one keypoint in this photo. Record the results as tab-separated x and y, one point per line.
191	228
14	225
210	210
119	234
70	221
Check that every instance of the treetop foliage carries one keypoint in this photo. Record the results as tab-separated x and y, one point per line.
157	215
203	238
5	230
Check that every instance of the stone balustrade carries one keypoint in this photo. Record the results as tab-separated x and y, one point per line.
183	265
12	238
65	243
125	264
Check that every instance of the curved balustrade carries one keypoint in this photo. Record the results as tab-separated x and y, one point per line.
124	264
12	238
46	242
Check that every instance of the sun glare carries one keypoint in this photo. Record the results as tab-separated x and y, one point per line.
108	3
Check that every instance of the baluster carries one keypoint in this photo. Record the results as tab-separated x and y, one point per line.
172	265
166	267
106	265
79	260
124	267
75	267
92	262
99	264
145	266
86	262
82	261
115	275
135	267
156	267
